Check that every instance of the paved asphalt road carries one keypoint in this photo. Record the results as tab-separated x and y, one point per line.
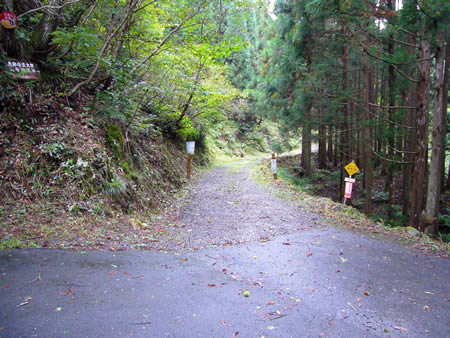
321	282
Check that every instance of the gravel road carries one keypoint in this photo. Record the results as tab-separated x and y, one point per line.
253	265
227	207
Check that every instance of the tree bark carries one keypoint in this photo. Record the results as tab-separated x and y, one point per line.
422	118
346	105
42	36
8	42
410	137
435	172
389	185
322	155
306	141
330	143
444	108
366	139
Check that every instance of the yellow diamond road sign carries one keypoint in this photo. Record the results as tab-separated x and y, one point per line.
351	168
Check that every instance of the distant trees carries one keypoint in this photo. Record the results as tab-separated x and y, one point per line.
360	73
132	56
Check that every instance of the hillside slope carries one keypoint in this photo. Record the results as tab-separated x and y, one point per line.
73	178
70	178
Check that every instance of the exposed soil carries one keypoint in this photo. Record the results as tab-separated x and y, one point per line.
71	179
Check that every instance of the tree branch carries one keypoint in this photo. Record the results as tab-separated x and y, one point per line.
49	7
163	41
365	49
103	49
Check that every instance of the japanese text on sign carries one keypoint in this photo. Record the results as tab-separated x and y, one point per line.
22	70
8	20
351	168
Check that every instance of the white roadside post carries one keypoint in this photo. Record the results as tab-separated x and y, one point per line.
190	149
273	166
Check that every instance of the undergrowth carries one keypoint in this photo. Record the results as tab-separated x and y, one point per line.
338	215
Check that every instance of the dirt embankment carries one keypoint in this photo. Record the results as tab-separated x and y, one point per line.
74	179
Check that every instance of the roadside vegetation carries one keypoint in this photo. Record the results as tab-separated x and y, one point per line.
94	148
313	195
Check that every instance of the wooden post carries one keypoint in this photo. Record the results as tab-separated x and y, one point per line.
274	171
189	156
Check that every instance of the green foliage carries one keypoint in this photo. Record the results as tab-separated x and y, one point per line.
186	131
302	183
115	187
12	242
56	151
114	137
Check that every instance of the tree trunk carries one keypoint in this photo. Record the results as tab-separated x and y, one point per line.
423	96
330	143
346	105
444	109
306	141
366	139
410	137
389	186
8	42
435	172
322	155
43	34
336	147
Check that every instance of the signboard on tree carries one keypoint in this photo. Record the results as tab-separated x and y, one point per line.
22	70
8	20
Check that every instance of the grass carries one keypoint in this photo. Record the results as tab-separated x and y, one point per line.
340	216
302	183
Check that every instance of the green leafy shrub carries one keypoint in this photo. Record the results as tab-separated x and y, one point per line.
187	132
115	187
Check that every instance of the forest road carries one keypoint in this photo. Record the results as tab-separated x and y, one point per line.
283	274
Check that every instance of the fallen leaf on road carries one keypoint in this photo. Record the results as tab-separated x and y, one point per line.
235	334
337	271
366	293
270	303
298	300
426	308
5	287
308	254
286	243
271	327
400	328
343	260
358	299
112	272
224	323
211	285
